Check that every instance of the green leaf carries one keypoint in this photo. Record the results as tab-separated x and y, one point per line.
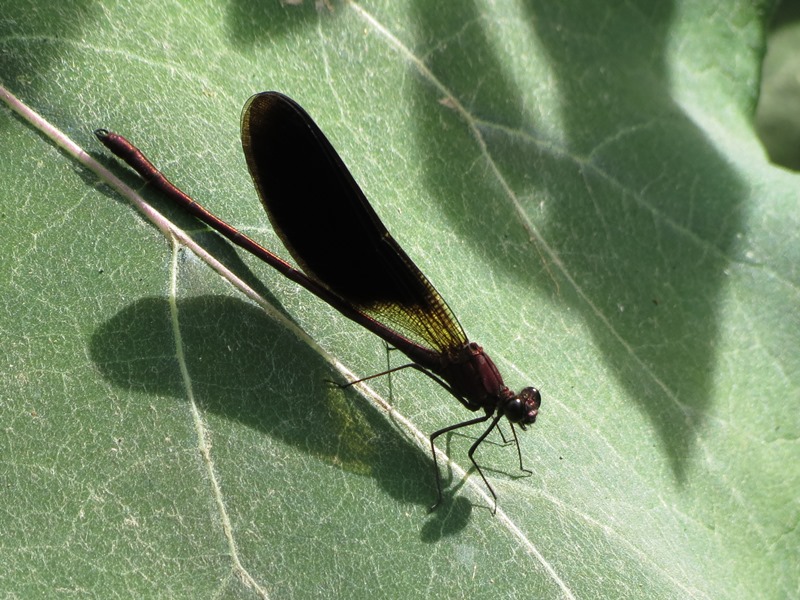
582	183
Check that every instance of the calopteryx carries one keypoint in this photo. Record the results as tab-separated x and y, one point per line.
348	259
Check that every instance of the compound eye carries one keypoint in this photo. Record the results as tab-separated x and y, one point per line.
524	407
531	397
515	410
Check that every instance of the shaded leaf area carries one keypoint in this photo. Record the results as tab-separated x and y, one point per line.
646	273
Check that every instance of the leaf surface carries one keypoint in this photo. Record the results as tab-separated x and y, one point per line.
582	183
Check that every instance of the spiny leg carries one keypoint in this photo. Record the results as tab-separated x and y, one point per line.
474	462
436	434
519	451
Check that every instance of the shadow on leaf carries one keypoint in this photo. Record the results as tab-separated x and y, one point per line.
247	368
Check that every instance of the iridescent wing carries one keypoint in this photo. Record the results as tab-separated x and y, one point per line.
330	229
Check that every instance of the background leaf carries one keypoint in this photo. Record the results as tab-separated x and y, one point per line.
580	180
777	121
